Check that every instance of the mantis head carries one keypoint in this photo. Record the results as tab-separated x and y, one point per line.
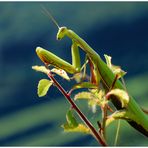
61	33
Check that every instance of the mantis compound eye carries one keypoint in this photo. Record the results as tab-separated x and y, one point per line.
61	33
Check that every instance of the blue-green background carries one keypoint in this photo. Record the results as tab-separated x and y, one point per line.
119	29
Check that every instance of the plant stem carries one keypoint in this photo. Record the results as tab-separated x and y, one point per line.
104	116
117	133
81	115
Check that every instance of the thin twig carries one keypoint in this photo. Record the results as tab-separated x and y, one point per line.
104	110
113	83
81	115
104	116
117	133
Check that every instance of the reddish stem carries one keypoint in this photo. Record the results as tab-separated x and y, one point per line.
104	116
81	115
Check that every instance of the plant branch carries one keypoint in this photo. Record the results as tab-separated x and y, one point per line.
117	133
81	115
104	116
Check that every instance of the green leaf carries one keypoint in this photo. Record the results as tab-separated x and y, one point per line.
71	119
121	95
118	71
99	97
72	125
122	114
98	93
84	85
78	77
92	100
41	69
93	105
83	95
108	60
80	128
94	97
43	87
61	73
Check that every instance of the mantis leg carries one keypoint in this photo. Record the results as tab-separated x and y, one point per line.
95	77
76	62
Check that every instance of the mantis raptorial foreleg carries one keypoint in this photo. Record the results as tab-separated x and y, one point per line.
76	62
51	59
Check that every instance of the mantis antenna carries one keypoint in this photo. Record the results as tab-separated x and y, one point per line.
45	11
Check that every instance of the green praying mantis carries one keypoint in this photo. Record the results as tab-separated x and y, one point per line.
127	109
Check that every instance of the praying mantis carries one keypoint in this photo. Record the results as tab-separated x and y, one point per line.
128	110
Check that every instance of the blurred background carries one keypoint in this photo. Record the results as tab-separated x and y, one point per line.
119	29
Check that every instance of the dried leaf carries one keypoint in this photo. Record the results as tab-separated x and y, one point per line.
121	95
108	60
78	77
115	69
41	69
61	73
93	100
